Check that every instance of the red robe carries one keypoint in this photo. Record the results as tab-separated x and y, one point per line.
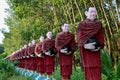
23	62
39	60
32	60
49	60
62	39
19	60
27	59
91	60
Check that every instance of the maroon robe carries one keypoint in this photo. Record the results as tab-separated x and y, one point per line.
49	61
23	62
62	39
91	60
39	60
27	61
32	60
19	60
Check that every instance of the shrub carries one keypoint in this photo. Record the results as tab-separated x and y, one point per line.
108	70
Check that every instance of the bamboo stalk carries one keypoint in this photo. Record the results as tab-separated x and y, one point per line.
72	11
66	7
108	41
115	48
105	17
113	17
118	43
54	12
106	32
65	12
78	10
117	11
85	4
101	11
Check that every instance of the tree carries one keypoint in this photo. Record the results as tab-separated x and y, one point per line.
31	18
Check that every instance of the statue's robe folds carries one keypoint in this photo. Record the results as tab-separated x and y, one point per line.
63	39
40	60
90	59
49	61
32	60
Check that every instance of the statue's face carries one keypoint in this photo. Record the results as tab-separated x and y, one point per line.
65	28
29	44
41	38
91	13
49	35
33	42
25	46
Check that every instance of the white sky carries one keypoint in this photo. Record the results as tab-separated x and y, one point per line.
3	5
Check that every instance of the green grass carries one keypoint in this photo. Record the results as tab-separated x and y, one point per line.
8	72
14	76
76	74
18	77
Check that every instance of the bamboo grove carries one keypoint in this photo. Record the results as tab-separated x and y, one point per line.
28	19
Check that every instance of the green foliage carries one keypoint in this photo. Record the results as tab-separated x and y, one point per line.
118	70
108	69
76	74
2	56
30	19
19	77
7	70
1	49
26	34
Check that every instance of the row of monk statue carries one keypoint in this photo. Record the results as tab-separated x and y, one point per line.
41	56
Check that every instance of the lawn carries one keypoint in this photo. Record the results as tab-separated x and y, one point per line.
76	75
18	77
